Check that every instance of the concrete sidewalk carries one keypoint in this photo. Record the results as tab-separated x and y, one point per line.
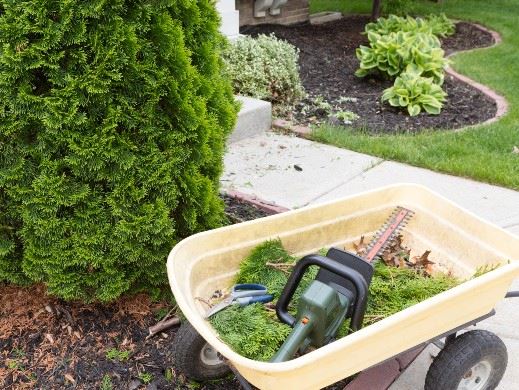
295	172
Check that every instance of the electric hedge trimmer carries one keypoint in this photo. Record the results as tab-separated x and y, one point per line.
339	291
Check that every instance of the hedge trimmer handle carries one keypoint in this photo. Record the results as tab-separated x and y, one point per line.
358	281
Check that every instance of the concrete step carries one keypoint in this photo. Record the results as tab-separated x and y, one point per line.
254	119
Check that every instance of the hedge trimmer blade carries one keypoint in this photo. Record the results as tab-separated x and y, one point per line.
392	228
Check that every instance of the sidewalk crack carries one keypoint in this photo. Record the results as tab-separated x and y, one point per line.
374	164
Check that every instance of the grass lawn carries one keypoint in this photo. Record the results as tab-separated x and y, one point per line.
482	153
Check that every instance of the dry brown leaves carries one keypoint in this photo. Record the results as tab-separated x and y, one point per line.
361	248
397	255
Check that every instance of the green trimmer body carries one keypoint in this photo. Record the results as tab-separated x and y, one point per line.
320	312
340	291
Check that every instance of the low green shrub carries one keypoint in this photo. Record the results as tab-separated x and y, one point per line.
264	67
415	92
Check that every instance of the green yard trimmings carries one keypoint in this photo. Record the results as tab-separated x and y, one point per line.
255	332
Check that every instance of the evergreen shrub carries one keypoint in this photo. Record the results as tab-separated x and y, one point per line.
113	118
266	68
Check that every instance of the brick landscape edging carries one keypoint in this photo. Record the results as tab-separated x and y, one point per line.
269	207
501	102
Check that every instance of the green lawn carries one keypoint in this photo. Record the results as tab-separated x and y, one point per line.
483	153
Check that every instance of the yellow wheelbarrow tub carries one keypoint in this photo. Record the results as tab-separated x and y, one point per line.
459	242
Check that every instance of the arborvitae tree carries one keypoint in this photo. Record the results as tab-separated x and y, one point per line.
113	119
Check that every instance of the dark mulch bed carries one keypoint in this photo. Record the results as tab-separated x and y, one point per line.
46	343
328	64
467	37
238	211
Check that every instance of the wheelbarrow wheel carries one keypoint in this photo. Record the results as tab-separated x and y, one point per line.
195	357
475	360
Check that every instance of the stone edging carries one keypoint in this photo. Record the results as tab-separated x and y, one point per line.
286	126
269	207
501	103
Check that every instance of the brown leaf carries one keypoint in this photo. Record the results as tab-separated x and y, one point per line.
423	262
70	378
49	337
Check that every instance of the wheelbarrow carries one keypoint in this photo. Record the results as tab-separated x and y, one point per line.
459	241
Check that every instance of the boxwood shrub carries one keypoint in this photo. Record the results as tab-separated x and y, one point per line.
113	118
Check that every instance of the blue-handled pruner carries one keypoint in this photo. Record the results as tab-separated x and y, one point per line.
243	295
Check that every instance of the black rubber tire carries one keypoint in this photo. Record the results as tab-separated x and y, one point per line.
187	348
459	356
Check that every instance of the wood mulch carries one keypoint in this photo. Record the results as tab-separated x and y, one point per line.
327	67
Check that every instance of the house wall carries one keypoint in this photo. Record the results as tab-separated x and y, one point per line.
230	26
294	11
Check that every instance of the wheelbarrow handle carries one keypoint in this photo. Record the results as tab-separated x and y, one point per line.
331	265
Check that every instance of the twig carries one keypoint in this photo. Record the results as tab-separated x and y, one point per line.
283	267
162	325
204	301
169	313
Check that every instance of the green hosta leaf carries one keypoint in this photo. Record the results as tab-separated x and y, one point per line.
391	70
395	101
402	91
388	94
432	109
413	109
403	101
361	72
413	70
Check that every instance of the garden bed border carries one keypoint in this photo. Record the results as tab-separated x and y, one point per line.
500	101
269	207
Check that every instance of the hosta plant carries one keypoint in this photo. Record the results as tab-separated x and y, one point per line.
416	93
441	25
390	54
438	25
